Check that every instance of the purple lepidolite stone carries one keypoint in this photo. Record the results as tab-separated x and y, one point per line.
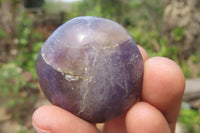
91	67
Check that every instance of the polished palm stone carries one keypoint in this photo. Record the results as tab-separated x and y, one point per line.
91	67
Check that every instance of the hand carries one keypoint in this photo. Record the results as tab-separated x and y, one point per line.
156	112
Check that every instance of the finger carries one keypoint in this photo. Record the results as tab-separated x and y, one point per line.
143	53
116	125
144	118
52	119
163	87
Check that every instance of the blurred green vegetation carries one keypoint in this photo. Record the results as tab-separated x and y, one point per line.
143	20
29	44
191	120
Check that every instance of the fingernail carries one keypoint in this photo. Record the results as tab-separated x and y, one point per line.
38	130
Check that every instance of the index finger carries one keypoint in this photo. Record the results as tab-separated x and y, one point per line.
163	87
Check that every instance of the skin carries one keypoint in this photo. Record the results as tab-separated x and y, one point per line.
156	112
